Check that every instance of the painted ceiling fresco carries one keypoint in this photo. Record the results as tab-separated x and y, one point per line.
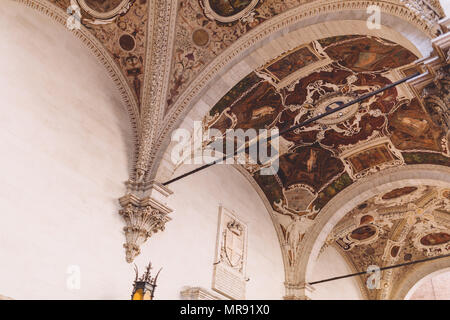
123	35
402	225
190	57
320	160
228	8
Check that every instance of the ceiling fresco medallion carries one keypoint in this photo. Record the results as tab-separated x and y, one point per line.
200	37
105	9
227	10
127	42
333	101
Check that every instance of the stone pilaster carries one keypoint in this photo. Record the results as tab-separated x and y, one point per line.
145	212
300	291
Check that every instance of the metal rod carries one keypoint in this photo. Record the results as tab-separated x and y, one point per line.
381	269
320	116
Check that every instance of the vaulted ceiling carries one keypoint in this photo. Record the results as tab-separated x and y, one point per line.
166	50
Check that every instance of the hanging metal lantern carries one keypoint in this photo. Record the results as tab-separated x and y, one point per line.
144	287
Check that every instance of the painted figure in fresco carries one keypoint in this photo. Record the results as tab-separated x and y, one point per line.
434	239
399	192
228	8
363	233
296	229
311	163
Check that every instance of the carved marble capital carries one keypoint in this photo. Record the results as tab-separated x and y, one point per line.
299	291
145	212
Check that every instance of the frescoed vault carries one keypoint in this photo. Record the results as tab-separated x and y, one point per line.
405	224
322	159
161	47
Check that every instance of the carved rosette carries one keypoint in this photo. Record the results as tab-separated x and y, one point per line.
145	213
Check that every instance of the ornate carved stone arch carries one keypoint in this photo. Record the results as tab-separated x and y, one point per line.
104	58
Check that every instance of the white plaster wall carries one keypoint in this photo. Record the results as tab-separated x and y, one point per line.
331	264
186	249
65	142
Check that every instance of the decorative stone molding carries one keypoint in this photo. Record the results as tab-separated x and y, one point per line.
197	293
145	213
161	25
429	11
300	291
